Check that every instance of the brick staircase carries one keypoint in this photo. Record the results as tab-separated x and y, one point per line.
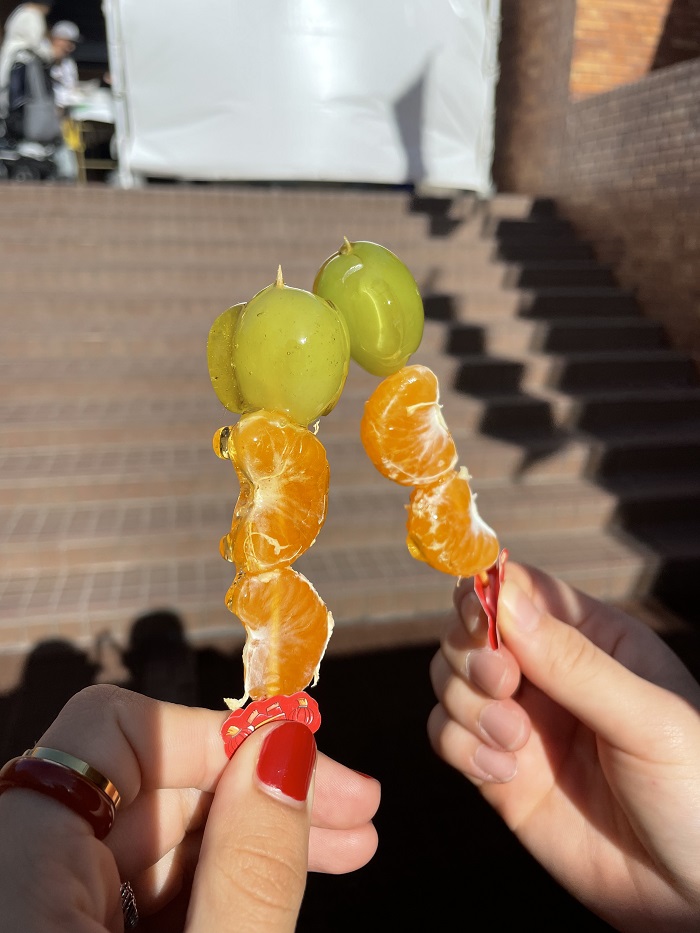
580	426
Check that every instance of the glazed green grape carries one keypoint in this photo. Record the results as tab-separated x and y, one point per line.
286	350
380	302
221	372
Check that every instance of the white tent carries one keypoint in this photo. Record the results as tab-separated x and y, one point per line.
383	91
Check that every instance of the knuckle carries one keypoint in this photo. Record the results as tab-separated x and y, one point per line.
268	877
575	660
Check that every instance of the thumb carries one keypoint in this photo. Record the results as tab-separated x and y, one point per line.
578	675
253	862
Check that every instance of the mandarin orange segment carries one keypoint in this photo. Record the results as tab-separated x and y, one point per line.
284	476
287	629
403	431
445	529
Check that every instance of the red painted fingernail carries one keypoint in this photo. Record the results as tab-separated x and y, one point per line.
287	759
362	774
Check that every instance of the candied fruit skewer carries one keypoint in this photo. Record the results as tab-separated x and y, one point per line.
403	430
280	361
406	406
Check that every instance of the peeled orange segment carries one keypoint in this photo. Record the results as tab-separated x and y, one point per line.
446	531
403	431
288	627
284	475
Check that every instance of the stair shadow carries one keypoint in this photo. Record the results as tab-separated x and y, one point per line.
579	315
510	414
439	213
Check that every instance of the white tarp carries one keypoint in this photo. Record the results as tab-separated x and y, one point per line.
383	91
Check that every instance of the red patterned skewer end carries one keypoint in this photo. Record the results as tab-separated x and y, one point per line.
241	723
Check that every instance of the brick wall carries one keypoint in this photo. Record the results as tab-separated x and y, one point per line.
615	42
619	41
629	177
624	166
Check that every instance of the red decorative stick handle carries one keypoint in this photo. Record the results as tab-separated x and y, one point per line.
488	593
241	723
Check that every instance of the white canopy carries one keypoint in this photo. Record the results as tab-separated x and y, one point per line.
383	91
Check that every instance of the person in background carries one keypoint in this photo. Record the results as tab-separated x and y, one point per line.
583	732
64	36
24	35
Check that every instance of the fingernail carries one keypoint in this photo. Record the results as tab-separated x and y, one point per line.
362	774
500	724
519	606
499	767
472	615
486	669
286	760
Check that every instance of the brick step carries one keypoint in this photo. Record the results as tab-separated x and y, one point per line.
648	488
542	247
35	380
610	370
123	469
182	202
116	245
223	207
203	243
574	373
564	274
513	228
663	411
361	586
177	343
663	459
463	413
522	206
356	515
134	421
25	291
672	522
503	335
95	412
82	312
674	409
675	540
96	345
187	415
551	303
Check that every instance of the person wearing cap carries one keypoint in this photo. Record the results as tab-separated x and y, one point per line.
64	72
65	36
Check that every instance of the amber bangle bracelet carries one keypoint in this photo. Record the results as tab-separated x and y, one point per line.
71	787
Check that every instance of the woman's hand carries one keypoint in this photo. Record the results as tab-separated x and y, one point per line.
224	844
583	732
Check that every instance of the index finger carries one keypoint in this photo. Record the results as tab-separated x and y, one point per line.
140	743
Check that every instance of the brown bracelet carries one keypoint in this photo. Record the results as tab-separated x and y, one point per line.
67	779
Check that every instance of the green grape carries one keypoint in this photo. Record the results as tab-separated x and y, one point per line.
221	372
380	302
286	350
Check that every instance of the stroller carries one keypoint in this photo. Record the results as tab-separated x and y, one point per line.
30	130
24	160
